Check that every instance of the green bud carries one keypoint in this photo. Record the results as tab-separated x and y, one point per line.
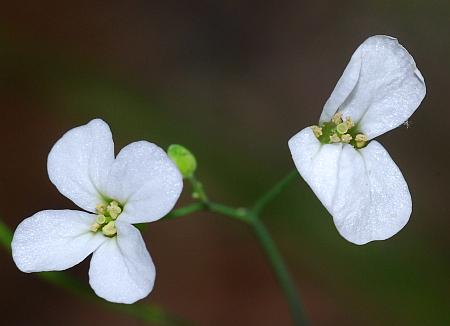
184	160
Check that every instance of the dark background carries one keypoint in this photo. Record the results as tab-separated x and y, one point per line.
233	81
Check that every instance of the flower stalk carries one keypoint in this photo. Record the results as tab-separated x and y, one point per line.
252	218
280	270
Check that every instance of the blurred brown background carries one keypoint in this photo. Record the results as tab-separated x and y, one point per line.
233	81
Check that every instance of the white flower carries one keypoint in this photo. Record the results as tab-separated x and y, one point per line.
356	180
140	185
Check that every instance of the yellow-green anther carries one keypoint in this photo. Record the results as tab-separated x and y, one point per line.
342	128
109	229
317	131
349	122
337	118
101	208
94	227
361	140
101	219
334	138
361	137
114	209
346	138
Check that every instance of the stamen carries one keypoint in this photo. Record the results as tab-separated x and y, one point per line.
337	118
317	131
349	122
361	137
107	214
361	140
110	229
101	208
334	138
346	138
95	227
113	209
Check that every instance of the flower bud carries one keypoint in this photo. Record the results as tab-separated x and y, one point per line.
184	160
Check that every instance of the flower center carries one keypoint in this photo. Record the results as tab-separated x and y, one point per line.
340	131
107	214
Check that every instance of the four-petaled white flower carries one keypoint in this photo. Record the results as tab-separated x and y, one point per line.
140	185
356	180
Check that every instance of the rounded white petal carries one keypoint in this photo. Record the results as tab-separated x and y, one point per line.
121	269
145	180
80	160
390	200
54	240
363	190
317	163
380	88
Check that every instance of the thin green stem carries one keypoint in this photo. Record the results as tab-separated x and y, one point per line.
273	256
186	210
237	213
279	268
6	236
198	189
198	192
265	199
147	313
179	212
251	217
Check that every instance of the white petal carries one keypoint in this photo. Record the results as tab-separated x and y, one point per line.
380	88
390	200
343	88
80	160
54	240
363	190
145	179
121	269
317	163
372	201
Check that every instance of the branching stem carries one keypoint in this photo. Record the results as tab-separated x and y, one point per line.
252	218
